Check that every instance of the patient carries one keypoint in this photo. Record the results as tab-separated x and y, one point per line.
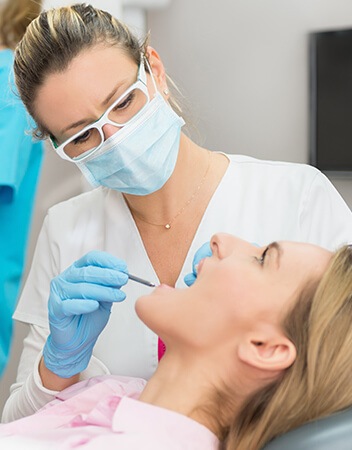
259	344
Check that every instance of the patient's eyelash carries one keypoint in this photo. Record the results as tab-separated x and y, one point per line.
262	258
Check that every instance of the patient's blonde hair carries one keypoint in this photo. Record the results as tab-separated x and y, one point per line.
15	16
56	37
319	383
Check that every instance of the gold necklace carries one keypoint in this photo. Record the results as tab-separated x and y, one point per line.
167	226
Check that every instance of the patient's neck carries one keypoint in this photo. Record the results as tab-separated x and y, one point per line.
188	386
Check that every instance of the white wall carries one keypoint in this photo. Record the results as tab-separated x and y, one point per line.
243	64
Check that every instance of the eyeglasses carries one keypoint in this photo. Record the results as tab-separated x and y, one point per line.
123	110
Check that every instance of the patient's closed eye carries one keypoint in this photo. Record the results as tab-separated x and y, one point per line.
261	259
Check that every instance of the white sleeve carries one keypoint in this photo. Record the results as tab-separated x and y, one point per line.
32	305
325	218
27	394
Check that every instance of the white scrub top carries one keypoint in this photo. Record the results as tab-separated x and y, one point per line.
260	201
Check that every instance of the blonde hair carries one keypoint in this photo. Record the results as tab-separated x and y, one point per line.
318	384
56	37
15	16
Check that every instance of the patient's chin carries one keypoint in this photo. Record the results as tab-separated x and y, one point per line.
145	308
154	310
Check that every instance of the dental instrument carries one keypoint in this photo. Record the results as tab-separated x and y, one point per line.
140	280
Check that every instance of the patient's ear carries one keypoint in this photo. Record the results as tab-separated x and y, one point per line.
267	353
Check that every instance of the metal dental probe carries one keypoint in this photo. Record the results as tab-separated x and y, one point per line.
140	280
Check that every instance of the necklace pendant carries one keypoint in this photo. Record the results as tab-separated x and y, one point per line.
168	226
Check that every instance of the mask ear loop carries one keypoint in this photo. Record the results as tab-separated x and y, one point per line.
150	72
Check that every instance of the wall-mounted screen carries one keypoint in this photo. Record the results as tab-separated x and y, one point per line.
331	101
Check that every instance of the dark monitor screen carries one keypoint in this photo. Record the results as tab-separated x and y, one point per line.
331	100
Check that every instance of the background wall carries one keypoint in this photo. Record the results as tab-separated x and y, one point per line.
243	66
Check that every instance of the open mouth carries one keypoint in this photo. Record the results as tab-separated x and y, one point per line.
199	266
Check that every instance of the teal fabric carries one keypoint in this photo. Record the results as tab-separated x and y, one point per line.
330	433
20	163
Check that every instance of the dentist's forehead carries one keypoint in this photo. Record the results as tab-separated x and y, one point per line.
76	93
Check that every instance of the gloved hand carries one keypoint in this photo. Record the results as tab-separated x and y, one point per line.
79	307
203	252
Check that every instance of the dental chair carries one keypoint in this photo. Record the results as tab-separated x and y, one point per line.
331	433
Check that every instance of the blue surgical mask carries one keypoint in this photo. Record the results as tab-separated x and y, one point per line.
140	157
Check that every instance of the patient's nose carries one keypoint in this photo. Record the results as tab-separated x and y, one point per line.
224	244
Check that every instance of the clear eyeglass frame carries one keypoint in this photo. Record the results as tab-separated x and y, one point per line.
140	84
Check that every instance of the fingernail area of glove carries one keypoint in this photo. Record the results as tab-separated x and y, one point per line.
121	279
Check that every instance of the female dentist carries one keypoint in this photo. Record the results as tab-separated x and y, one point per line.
103	100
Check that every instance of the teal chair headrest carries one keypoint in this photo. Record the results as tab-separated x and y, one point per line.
330	433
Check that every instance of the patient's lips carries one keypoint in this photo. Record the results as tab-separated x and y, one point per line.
199	266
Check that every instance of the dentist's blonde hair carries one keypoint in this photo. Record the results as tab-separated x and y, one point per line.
15	16
56	37
318	384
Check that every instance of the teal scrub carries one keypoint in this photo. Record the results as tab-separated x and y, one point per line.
20	162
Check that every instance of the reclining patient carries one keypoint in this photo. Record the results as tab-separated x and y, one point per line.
259	344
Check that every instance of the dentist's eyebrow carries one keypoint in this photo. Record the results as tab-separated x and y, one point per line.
110	96
278	252
75	125
89	120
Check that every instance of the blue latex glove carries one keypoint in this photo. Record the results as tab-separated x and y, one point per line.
203	252
79	308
